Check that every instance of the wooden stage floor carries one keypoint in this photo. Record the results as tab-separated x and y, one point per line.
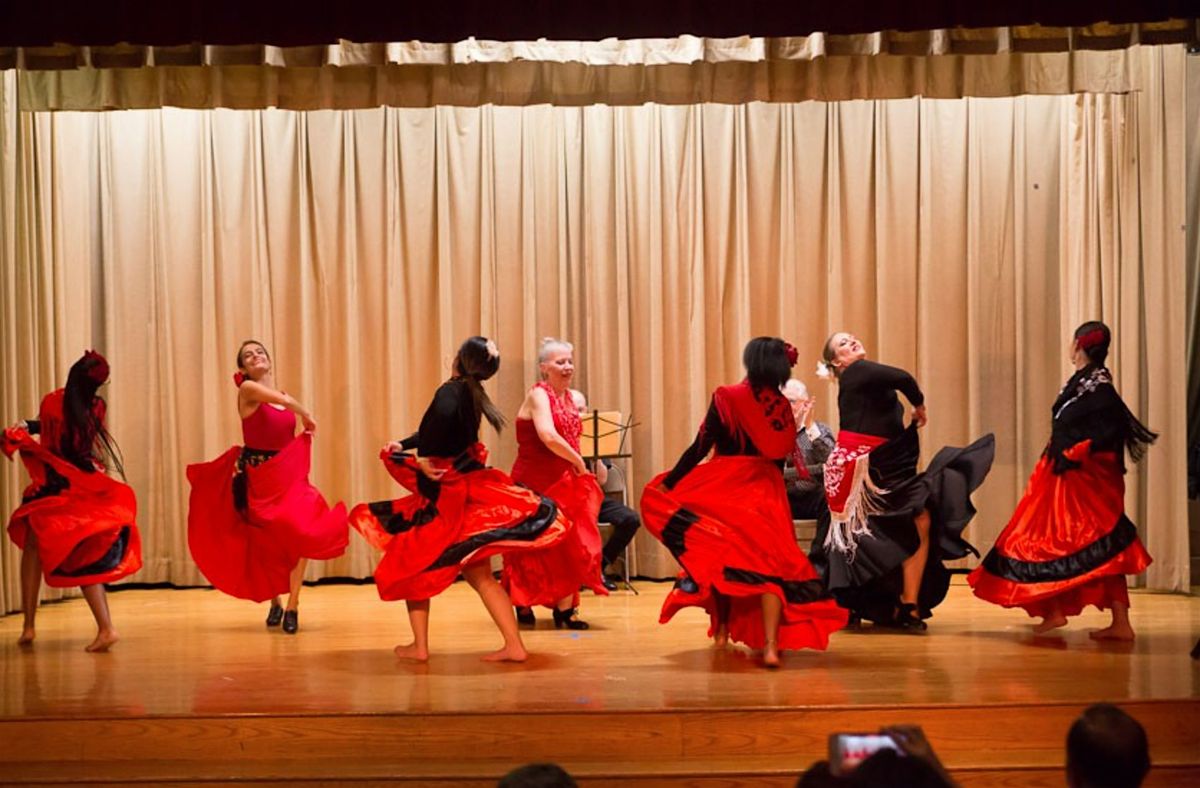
198	654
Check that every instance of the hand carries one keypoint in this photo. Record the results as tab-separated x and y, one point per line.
307	420
919	417
429	469
601	472
911	739
20	424
393	447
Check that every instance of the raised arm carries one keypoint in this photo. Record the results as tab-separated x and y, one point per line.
253	393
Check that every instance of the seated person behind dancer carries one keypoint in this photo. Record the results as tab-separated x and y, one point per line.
805	472
623	519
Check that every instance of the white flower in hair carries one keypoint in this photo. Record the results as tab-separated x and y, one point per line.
493	351
824	371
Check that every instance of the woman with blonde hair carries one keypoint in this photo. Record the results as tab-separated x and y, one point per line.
550	463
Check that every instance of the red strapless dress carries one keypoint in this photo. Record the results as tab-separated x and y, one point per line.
547	576
84	522
249	550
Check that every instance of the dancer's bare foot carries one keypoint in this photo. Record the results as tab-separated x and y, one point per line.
27	636
410	651
516	653
1049	623
770	655
721	637
105	639
1121	632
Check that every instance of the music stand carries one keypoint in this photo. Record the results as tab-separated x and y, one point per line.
603	438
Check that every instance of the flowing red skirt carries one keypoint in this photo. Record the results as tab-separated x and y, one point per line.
548	576
83	523
728	524
1068	544
251	555
473	516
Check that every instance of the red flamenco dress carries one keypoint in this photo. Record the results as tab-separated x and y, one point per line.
728	523
546	577
1069	543
470	514
82	519
253	514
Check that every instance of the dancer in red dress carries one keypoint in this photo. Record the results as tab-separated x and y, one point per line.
728	523
75	524
891	529
1069	543
254	520
460	512
549	462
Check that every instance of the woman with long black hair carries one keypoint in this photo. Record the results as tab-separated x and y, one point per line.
460	512
728	523
75	525
1069	544
891	529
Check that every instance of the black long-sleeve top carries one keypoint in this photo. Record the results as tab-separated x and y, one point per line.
867	401
450	425
1089	408
713	434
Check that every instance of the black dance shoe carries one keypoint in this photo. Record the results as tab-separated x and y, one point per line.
274	615
569	619
609	583
291	621
525	617
908	617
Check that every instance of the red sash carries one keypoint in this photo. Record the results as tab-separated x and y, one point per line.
848	489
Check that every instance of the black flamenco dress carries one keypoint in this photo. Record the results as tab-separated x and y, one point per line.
875	492
728	524
1069	543
470	514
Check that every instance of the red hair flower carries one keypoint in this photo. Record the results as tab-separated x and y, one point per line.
1091	339
98	367
792	354
238	379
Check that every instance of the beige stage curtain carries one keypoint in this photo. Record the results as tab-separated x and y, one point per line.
685	70
961	239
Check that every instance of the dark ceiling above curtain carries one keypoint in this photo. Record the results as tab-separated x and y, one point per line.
177	22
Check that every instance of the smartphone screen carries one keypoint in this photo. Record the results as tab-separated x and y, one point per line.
848	750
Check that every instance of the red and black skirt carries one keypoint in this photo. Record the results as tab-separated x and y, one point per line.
471	514
728	524
83	522
1068	544
544	577
253	515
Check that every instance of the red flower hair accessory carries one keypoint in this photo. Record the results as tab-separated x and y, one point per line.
1092	338
792	354
238	379
98	370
